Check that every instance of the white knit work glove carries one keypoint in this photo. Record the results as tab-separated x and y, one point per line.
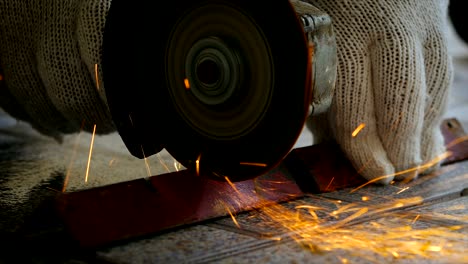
49	52
394	74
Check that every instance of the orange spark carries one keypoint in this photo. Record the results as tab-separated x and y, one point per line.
234	187
402	190
308	207
329	184
365	198
415	219
344	260
390	236
90	153
436	160
232	216
96	75
187	83
429	164
197	165
256	164
457	141
148	170
358	129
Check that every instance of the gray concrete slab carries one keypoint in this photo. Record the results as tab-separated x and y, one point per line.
182	246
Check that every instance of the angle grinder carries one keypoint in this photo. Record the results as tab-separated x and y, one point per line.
224	86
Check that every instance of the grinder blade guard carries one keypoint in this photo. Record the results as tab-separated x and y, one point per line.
224	86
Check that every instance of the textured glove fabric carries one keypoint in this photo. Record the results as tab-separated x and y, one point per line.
393	79
50	53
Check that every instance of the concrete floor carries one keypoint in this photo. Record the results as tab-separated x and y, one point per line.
424	221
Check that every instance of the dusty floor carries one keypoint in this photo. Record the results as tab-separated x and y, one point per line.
424	221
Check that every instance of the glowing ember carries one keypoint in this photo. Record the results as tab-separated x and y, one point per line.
90	153
197	165
358	129
187	83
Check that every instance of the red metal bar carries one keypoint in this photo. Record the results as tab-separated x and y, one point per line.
132	209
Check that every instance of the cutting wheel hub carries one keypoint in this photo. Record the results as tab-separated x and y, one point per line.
212	70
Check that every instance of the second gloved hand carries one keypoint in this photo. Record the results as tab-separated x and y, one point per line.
394	74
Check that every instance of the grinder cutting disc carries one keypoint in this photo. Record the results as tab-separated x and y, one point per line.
222	85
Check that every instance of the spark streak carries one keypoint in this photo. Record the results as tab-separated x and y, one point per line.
177	165
232	216
429	164
256	164
187	83
457	141
233	186
96	75
148	170
329	184
402	190
197	165
163	163
415	219
90	153
358	129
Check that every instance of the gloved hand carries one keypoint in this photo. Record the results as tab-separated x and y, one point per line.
394	74
50	53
